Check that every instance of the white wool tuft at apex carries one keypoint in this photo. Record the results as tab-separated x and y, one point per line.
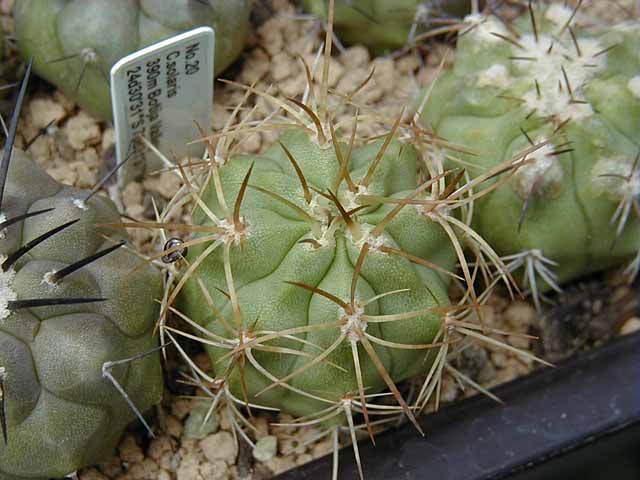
551	60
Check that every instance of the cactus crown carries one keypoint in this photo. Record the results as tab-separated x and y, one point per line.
543	80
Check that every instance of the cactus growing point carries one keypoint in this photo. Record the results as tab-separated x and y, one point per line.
573	206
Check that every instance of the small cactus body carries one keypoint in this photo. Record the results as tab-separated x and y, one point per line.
59	411
572	206
75	43
384	25
292	256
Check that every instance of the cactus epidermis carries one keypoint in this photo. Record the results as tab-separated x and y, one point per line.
386	24
294	260
75	43
320	272
572	206
71	314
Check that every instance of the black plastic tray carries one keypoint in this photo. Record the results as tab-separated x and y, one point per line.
579	420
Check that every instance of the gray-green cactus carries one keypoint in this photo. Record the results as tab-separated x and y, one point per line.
385	25
74	43
71	314
572	206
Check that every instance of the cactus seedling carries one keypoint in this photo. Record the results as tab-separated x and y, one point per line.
573	206
75	324
317	275
74	43
389	24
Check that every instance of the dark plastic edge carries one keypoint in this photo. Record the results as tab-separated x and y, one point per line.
547	414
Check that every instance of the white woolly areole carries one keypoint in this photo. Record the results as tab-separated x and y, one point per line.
47	279
327	236
318	207
351	198
554	98
375	242
613	178
81	204
497	75
541	174
89	55
434	212
231	234
559	14
634	86
352	321
483	27
7	294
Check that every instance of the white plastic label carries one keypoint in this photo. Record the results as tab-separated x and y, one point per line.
159	93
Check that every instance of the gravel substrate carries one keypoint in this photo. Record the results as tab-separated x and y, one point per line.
76	149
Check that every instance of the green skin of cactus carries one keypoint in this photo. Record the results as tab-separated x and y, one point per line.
382	25
273	255
61	413
570	211
51	30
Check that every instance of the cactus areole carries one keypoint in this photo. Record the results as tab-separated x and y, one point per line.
307	287
75	43
70	312
573	206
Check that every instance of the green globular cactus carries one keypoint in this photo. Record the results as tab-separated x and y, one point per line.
318	272
331	295
76	324
75	43
384	25
572	205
